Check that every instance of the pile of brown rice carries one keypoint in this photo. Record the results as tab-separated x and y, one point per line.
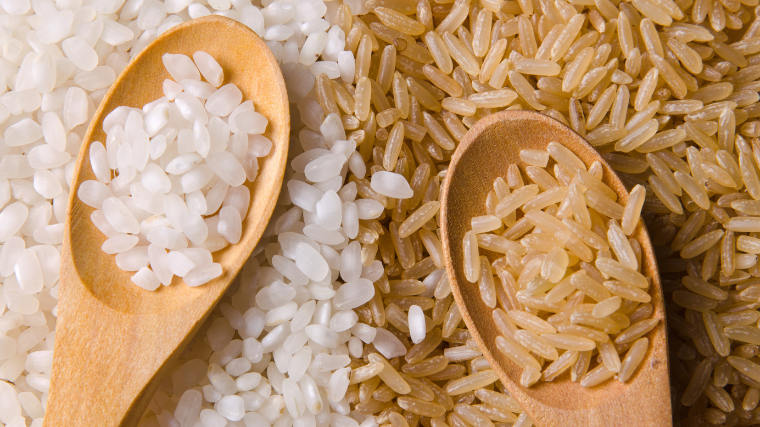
666	90
571	275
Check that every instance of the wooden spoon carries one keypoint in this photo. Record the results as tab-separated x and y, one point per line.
484	154
114	340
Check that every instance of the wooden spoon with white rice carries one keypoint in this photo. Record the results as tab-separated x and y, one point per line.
114	339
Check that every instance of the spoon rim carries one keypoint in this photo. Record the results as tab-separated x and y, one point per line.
524	394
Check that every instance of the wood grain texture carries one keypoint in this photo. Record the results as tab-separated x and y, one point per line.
484	154
114	340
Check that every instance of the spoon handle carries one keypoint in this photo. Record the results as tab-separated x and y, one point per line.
108	361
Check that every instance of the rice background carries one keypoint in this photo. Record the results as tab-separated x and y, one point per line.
667	90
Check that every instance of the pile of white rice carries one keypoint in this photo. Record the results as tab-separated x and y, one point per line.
343	315
172	174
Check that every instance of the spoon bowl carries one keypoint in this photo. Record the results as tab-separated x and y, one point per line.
485	153
115	340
